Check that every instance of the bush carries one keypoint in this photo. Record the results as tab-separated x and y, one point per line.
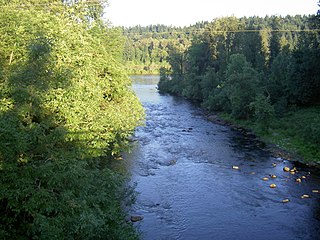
66	108
263	111
241	86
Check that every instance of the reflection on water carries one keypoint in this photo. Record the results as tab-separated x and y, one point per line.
182	165
145	79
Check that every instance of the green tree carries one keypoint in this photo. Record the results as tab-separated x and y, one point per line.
279	82
282	59
253	68
197	62
64	112
263	111
265	45
241	86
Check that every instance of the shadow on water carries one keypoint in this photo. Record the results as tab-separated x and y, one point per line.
189	189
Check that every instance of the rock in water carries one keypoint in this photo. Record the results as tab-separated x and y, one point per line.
136	218
286	169
172	162
305	196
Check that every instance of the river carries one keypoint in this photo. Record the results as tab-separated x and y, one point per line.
188	188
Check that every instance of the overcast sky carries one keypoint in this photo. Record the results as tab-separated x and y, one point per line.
186	12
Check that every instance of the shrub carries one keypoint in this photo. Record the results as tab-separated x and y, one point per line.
66	108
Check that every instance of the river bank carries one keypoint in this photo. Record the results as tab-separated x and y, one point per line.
200	180
285	137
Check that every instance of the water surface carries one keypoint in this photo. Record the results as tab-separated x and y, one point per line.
182	164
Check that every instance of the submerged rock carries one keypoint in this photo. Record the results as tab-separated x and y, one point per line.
172	162
136	218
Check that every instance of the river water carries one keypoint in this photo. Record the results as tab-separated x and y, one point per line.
183	167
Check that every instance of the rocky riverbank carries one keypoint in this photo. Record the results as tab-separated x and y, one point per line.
267	144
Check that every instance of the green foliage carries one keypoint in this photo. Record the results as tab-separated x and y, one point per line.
209	82
164	85
176	59
298	131
282	60
305	82
241	86
278	82
147	48
65	199
251	68
66	108
263	111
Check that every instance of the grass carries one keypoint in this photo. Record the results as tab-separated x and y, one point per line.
297	131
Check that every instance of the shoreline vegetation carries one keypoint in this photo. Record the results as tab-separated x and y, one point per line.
66	111
283	139
259	73
67	108
256	73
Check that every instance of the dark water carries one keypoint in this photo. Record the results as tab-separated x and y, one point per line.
182	165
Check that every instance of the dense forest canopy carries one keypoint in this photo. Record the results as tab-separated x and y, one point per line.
281	50
66	108
147	48
252	68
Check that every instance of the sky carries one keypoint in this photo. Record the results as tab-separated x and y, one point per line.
187	12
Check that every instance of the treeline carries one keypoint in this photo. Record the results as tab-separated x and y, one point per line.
66	109
251	68
147	48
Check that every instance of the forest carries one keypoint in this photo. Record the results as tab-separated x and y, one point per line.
66	110
147	48
261	73
258	72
